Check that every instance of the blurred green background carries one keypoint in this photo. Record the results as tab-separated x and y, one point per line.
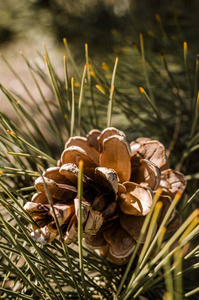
31	22
26	24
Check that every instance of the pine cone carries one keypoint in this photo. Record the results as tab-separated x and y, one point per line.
119	182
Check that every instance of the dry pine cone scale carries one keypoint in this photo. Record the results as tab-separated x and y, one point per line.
119	182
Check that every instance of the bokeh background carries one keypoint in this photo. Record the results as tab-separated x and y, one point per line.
26	24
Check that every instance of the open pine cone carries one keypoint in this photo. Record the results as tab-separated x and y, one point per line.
119	183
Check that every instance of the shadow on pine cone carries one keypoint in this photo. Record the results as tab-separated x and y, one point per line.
119	182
